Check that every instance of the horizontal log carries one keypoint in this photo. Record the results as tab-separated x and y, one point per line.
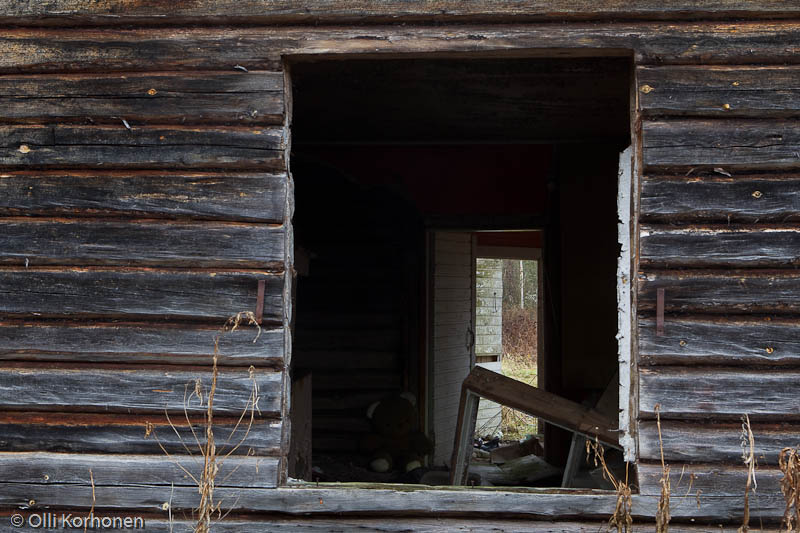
741	198
719	246
81	241
197	97
235	197
711	443
139	343
720	393
99	433
138	293
41	50
734	291
113	470
406	501
735	143
719	340
137	146
341	11
708	90
696	480
132	389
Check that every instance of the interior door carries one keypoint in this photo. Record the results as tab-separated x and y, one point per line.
452	332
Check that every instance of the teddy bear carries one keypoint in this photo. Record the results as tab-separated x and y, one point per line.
394	441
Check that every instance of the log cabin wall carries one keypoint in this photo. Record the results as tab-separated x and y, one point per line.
136	222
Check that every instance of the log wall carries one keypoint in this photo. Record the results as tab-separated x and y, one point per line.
145	194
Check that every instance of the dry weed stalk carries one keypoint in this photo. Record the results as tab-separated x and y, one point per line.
662	512
621	519
213	458
789	463
748	456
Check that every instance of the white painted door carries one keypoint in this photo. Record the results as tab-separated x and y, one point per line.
453	332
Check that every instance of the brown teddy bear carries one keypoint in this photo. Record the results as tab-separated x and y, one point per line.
395	441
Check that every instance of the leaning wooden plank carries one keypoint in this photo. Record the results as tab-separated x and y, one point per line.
81	241
202	195
698	480
720	393
134	145
406	500
342	11
171	344
196	97
729	341
103	433
719	246
137	293
45	50
733	291
708	90
132	389
734	143
740	198
118	469
710	443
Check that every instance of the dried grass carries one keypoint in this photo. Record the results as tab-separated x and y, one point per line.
748	456
621	520
213	457
662	511
789	463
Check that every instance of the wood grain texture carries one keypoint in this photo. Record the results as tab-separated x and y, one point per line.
125	434
714	291
138	293
741	198
710	443
198	97
709	479
722	393
43	50
117	469
729	341
719	246
141	146
131	389
341	11
45	241
237	196
707	90
405	501
734	143
173	344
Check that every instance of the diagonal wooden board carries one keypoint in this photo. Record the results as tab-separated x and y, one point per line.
528	399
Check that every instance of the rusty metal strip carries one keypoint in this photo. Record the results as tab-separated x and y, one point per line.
660	312
262	285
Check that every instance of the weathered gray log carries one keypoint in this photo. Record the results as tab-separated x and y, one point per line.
735	143
340	11
132	389
719	393
733	291
707	90
719	246
706	442
80	241
235	197
139	343
117	469
138	293
719	340
197	97
40	50
698	480
404	501
103	433
141	146
741	198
